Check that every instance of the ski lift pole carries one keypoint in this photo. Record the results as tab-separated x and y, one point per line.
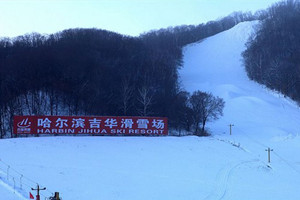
38	191
231	125
21	181
8	172
14	184
269	154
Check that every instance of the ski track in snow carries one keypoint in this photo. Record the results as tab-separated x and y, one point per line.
220	189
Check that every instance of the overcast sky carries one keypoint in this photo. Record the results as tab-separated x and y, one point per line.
130	17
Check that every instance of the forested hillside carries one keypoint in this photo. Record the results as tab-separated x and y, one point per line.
272	57
98	72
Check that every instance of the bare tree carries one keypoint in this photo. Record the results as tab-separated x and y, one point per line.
145	100
126	96
1	122
205	107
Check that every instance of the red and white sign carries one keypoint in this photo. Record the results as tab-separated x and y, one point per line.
90	125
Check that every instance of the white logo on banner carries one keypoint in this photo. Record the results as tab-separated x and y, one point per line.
24	126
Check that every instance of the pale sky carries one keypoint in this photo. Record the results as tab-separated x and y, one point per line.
131	17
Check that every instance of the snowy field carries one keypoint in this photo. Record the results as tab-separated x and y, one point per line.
223	166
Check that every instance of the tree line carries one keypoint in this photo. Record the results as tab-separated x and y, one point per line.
272	56
99	72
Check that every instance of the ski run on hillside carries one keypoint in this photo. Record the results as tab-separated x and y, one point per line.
222	166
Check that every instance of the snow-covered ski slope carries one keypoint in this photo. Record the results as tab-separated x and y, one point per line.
178	168
261	118
215	65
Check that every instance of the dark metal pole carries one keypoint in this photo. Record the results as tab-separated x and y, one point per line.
38	191
231	125
269	154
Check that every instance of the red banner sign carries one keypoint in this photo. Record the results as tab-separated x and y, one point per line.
90	125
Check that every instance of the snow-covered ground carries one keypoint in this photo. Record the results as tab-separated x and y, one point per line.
261	118
222	166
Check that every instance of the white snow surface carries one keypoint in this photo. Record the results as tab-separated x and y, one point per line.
222	166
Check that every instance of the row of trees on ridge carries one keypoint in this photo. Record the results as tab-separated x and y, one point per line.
272	56
98	72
